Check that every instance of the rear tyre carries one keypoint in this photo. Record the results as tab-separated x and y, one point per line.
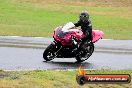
49	53
89	50
78	58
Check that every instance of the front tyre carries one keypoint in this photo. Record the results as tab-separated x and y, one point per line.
49	53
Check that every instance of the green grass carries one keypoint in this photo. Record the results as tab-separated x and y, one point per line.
54	79
39	18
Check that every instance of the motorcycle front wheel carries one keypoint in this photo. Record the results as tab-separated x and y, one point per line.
49	53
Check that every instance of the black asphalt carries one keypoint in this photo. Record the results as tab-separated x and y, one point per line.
25	53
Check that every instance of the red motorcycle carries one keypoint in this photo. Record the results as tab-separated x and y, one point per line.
65	39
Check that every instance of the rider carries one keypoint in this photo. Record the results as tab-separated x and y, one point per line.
86	27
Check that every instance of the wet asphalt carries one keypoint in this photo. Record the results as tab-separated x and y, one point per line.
25	53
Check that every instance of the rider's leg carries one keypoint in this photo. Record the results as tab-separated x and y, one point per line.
83	41
87	38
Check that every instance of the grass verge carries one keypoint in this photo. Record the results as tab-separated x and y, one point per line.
54	79
40	17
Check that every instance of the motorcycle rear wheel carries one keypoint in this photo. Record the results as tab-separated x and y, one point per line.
79	58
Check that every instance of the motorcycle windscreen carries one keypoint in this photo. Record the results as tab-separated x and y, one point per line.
60	33
67	26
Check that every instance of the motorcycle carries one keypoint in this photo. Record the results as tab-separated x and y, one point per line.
65	39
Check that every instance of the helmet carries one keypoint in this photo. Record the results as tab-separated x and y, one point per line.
84	16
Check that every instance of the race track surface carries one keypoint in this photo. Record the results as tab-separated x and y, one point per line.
25	53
